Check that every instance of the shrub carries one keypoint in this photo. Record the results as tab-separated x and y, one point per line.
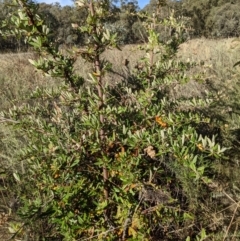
127	162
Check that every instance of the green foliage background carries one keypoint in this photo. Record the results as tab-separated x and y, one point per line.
213	19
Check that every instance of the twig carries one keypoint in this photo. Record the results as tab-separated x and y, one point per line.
229	197
235	231
16	233
95	236
127	223
230	224
181	229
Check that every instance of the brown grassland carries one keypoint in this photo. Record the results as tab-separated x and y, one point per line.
216	57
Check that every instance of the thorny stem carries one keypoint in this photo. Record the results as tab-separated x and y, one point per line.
101	102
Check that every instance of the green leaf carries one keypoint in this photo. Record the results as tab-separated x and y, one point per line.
45	29
17	178
33	62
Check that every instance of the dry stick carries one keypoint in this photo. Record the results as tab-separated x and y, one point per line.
230	224
229	197
235	231
234	213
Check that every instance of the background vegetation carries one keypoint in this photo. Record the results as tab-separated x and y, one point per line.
212	19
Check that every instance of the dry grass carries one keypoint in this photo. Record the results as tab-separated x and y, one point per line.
218	56
215	60
117	59
210	50
18	77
